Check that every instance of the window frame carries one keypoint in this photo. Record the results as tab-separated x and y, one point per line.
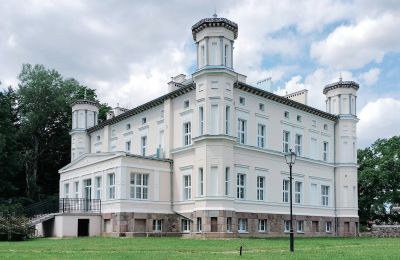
98	188
157	225
143	145
300	226
298	194
262	225
242	131
298	144
201	120
325	152
187	133
139	182
111	186
261	137
285	190
201	182
285	141
325	195
242	223
187	187
241	186
261	188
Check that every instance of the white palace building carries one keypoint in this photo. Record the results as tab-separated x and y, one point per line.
207	158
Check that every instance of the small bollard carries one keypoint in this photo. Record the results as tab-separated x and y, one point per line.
241	249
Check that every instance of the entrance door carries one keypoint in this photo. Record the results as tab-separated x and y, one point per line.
83	227
214	224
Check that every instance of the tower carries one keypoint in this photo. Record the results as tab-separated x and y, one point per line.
341	100
84	115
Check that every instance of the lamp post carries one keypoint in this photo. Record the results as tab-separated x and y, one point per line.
290	158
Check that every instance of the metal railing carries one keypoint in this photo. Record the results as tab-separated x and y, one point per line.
75	205
63	205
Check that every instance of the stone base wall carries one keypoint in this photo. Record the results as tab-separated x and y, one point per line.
386	230
224	224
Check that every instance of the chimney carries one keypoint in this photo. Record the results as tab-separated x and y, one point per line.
298	96
175	82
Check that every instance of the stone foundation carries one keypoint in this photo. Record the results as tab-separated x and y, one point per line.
215	224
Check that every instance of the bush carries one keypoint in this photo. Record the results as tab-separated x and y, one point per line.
15	228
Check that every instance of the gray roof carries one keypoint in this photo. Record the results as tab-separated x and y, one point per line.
215	22
85	101
155	102
341	84
283	100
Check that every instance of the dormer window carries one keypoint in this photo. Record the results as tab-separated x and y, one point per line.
128	126
242	101
286	114
144	120
186	104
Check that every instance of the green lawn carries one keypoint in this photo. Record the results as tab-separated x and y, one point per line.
178	248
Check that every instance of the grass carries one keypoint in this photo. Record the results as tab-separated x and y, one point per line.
178	248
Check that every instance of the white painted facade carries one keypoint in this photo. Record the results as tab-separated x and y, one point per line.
214	143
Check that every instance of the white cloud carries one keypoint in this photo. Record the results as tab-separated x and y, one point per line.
353	46
378	119
370	77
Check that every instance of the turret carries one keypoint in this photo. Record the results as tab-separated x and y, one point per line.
341	100
84	115
214	39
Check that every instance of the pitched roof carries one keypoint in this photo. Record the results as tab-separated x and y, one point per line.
283	100
155	102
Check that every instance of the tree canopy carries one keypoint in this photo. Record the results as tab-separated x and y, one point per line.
379	181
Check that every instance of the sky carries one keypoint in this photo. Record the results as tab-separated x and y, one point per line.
129	50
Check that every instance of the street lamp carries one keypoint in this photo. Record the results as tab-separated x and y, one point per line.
290	158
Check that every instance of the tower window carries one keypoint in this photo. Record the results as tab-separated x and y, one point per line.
226	55
202	56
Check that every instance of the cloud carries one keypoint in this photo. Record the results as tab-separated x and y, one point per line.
353	46
378	119
370	77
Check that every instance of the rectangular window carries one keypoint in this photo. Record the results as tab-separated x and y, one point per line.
227	170
213	53
226	55
242	225
262	225
88	188
325	127
299	118
66	190
185	225
261	106
324	195
240	187
298	187
128	146
286	141
157	225
214	120
326	147
201	120
202	56
285	191
186	104
199	225
328	227
242	101
260	187
187	187
228	224
162	113
314	194
139	185
98	187
315	226
111	186
314	148
242	131
261	136
227	119
299	144
286	225
201	182
143	145
286	114
76	188
128	126
187	132
300	226
314	123
144	120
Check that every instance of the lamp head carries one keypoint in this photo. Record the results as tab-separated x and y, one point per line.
290	157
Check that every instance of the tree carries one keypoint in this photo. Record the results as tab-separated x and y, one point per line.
44	99
9	165
379	181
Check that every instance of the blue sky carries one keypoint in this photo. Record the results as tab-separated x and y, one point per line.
123	47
